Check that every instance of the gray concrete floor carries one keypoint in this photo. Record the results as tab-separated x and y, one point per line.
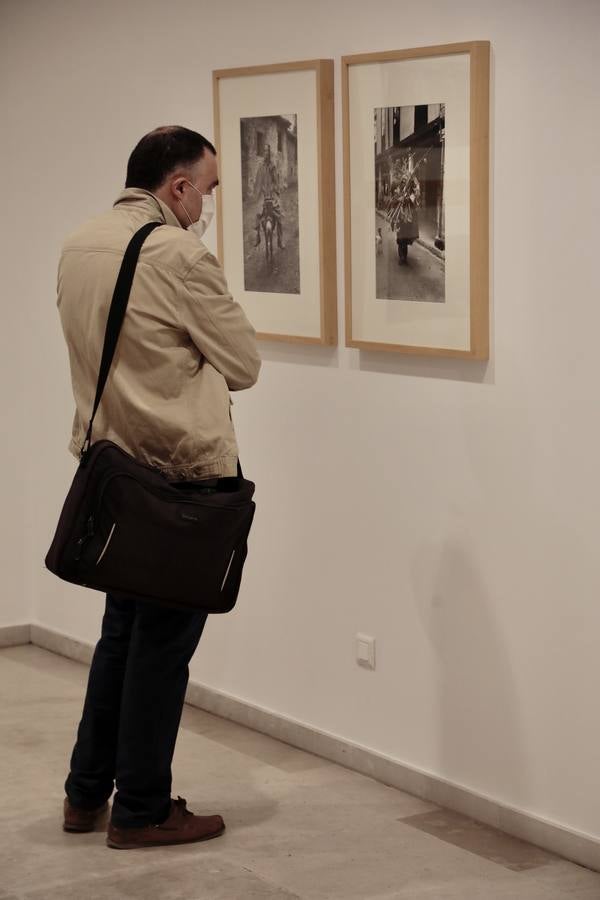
297	826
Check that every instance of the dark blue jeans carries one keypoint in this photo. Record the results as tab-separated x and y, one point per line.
132	710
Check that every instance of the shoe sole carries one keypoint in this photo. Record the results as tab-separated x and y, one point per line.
72	829
117	846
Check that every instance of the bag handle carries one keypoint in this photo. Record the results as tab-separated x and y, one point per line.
116	315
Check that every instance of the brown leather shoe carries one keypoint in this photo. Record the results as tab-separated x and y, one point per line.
180	827
81	820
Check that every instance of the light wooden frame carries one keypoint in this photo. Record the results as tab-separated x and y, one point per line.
479	53
325	189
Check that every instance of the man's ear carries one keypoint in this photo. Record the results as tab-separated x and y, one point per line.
176	186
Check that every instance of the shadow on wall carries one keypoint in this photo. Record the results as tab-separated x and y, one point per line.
478	716
299	354
439	368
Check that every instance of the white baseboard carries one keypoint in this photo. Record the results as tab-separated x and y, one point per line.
13	635
62	644
572	845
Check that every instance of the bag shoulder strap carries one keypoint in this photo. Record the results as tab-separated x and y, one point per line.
116	315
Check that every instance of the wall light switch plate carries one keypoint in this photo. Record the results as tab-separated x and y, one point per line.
365	651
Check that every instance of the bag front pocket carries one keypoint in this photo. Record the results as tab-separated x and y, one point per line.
181	550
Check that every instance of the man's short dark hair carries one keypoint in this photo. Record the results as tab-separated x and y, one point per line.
161	152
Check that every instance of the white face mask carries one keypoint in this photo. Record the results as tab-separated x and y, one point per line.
208	210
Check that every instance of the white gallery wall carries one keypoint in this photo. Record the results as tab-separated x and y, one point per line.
22	279
449	509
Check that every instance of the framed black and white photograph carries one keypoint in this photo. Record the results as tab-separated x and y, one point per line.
416	188
269	151
276	200
409	203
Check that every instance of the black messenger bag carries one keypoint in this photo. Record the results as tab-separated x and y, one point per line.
124	528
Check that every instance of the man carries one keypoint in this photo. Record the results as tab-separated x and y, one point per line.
404	215
183	346
268	186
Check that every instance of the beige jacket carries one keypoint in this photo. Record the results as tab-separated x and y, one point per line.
184	344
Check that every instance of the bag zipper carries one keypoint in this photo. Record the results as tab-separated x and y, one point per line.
85	538
155	490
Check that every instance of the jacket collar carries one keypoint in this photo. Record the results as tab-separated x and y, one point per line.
145	200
